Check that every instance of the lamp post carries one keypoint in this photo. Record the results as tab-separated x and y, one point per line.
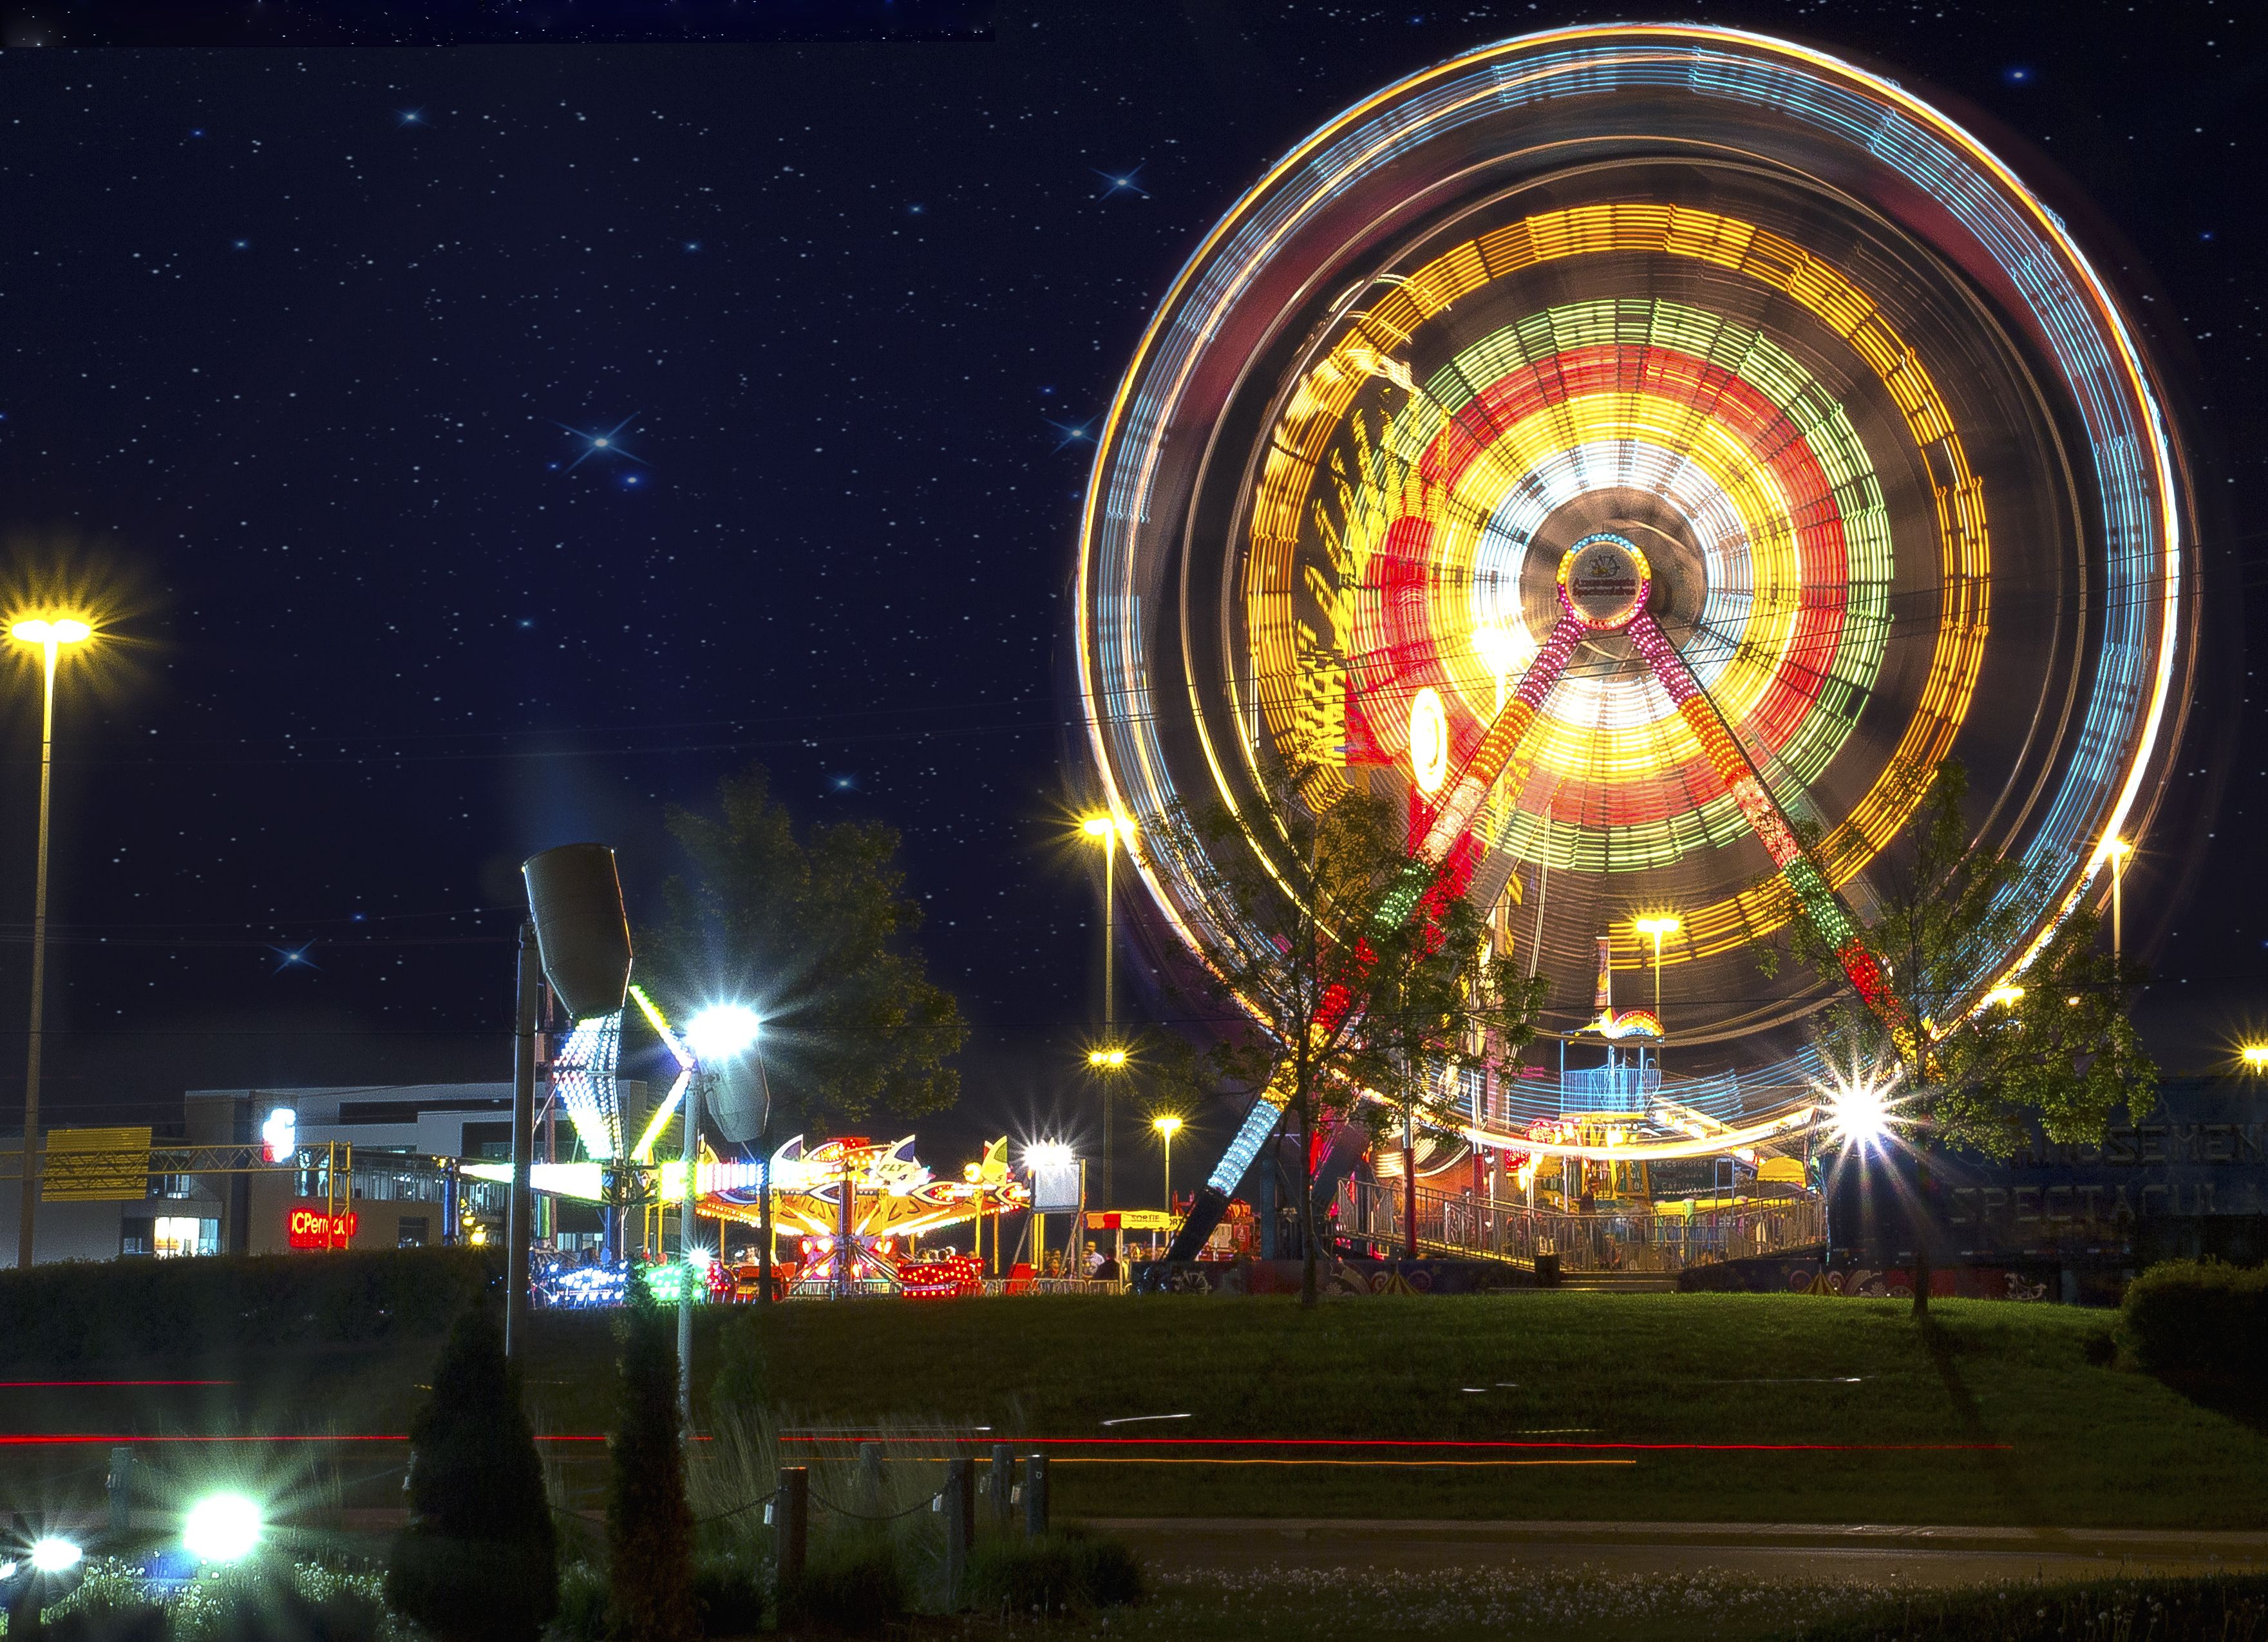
1168	1127
1111	1058
2117	850
717	1034
51	634
1657	927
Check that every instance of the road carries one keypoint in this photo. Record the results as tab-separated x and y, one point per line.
1928	1556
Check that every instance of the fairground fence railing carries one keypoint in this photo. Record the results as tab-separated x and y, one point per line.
1642	1241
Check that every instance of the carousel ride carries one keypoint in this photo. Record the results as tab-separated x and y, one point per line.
851	1213
1647	453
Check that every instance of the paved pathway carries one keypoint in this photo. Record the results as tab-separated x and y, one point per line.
1931	1556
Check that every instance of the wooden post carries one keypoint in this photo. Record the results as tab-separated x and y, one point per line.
870	1478
790	1530
1002	1483
120	1482
1036	1496
960	1526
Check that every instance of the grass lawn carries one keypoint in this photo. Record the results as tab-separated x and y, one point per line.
2085	1446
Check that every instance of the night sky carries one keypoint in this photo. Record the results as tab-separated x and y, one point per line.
307	356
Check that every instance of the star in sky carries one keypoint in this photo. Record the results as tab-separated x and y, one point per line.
1123	181
606	443
1071	434
410	116
293	958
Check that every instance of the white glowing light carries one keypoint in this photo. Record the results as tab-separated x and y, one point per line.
279	1134
222	1528
1429	739
1859	1112
52	1554
721	1031
1048	1154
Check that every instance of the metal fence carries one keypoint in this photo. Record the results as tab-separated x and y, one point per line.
1641	1242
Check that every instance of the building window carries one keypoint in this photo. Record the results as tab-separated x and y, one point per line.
413	1231
180	1235
172	1186
134	1234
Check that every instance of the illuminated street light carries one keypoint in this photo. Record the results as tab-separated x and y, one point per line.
723	1031
1106	830
51	633
2255	1056
1658	926
222	1528
1168	1127
52	1554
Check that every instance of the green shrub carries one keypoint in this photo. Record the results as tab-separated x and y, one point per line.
110	1603
253	1603
728	1593
84	1312
649	1526
1071	1570
851	1584
582	1616
479	1560
2201	1320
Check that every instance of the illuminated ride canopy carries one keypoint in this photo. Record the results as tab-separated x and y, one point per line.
1647	453
892	1196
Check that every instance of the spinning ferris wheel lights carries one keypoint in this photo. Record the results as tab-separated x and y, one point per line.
1676	300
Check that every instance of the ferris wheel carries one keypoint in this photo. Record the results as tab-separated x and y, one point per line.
1644	451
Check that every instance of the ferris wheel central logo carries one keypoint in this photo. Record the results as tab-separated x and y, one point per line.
1604	581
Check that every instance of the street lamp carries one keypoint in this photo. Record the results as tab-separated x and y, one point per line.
2255	1056
1105	829
1657	926
2117	850
51	633
718	1034
1168	1127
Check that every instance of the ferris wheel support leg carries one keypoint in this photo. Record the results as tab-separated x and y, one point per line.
1820	905
1501	742
1211	1202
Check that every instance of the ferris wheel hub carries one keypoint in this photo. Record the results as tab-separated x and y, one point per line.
1604	582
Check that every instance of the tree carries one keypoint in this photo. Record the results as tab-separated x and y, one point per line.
1355	959
479	1558
815	931
649	1526
1441	1004
1975	1069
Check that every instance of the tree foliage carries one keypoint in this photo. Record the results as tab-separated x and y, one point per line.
1361	965
479	1558
649	1525
2061	1051
814	928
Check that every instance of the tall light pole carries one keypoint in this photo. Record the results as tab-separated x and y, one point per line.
1658	926
1168	1127
51	634
1112	1056
2117	850
717	1034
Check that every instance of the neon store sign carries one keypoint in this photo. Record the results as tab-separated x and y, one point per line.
311	1228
